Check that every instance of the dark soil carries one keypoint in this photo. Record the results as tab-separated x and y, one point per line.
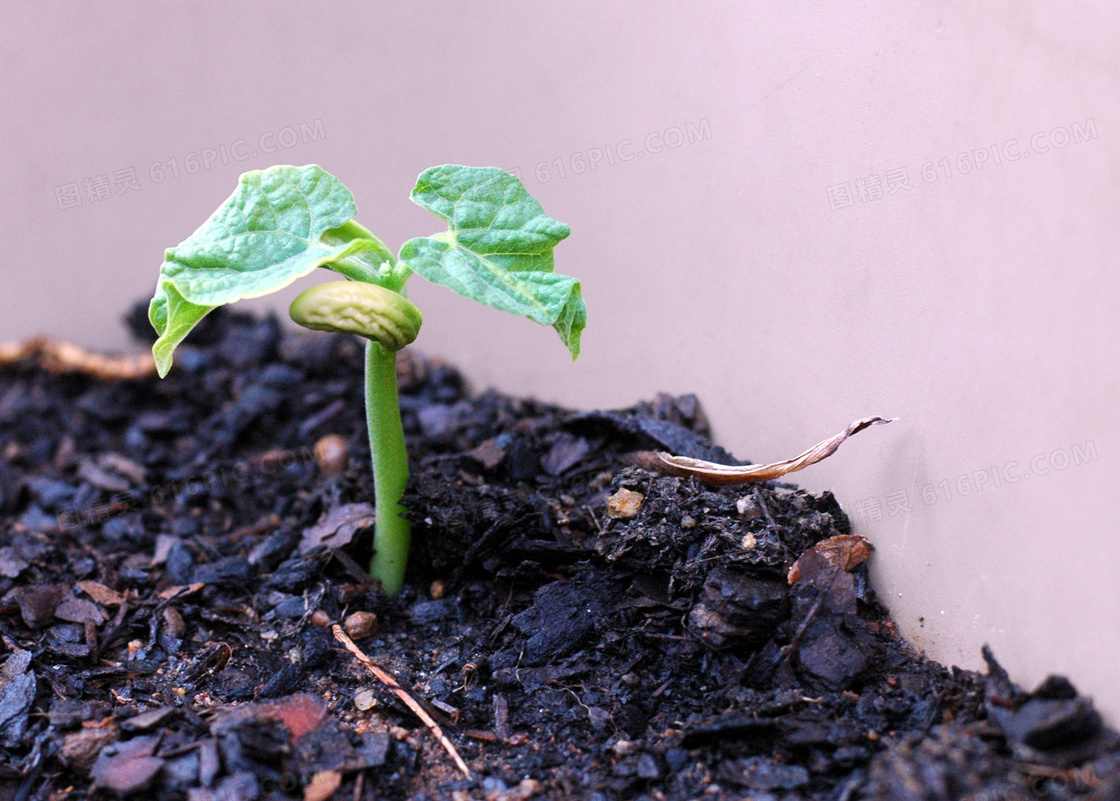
172	555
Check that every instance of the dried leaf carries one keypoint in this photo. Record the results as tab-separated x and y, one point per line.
845	551
723	474
181	590
337	527
322	785
148	720
100	593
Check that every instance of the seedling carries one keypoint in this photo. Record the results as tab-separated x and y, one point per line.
284	222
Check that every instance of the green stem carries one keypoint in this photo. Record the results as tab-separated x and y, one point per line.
390	468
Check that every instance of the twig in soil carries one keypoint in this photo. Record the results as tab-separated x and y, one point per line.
64	357
501	716
352	568
765	511
403	694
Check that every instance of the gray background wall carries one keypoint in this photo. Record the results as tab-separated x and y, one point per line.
830	210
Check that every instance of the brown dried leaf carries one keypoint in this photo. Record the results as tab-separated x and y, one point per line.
844	551
322	785
100	593
181	590
337	527
715	474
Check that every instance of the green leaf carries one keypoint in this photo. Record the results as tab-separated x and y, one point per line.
264	237
364	266
498	250
173	318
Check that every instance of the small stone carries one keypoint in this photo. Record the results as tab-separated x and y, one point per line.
749	541
688	522
526	788
624	504
320	618
360	625
437	590
365	700
648	767
331	455
747	506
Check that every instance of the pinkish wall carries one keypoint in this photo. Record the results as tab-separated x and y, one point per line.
980	307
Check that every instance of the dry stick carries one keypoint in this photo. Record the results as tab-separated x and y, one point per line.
766	511
714	474
401	693
64	357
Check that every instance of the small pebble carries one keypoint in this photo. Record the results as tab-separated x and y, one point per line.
331	455
360	625
747	506
320	618
688	522
365	700
749	541
437	590
624	504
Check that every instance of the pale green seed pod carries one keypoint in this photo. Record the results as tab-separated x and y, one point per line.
353	307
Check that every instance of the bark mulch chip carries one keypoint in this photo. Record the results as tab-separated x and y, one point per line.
174	554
